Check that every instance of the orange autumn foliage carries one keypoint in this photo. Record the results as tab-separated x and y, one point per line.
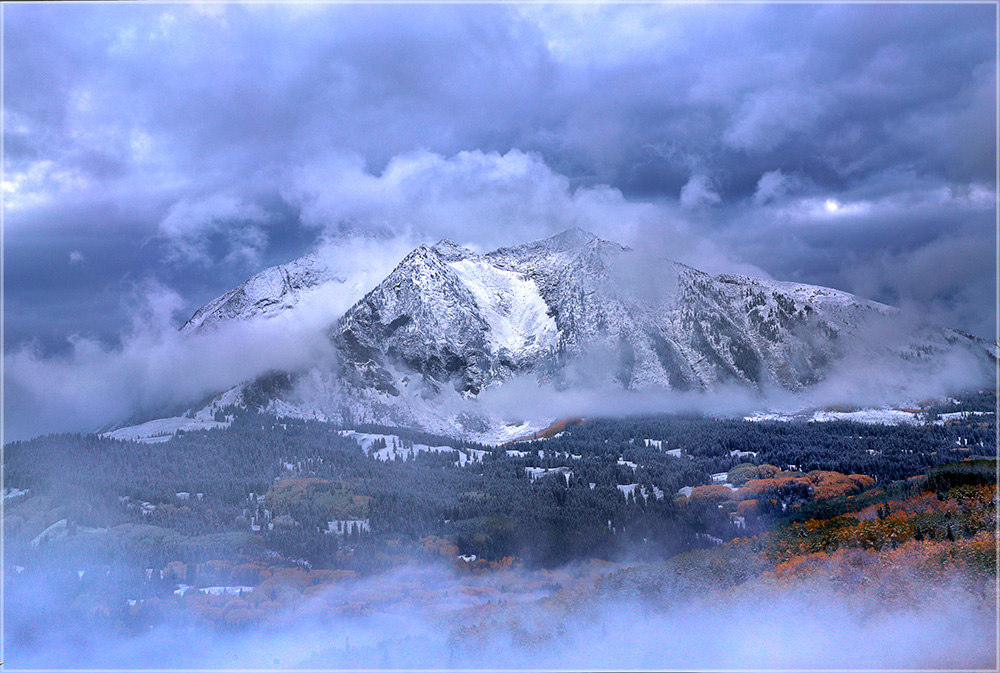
808	565
817	485
710	493
438	546
756	489
834	488
916	560
862	480
830	484
548	432
503	563
746	507
745	471
175	571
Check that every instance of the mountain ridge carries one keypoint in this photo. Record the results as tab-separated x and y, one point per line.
265	294
574	312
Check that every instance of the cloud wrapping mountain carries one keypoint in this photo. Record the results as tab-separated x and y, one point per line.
435	343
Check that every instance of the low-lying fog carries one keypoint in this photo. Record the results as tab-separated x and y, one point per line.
433	618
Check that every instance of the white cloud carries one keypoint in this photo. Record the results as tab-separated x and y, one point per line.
591	33
40	182
658	616
774	185
473	197
190	224
949	268
486	200
76	257
699	192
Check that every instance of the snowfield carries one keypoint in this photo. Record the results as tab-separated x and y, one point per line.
163	429
395	449
511	305
868	416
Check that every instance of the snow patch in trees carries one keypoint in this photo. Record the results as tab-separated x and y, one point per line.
535	473
396	448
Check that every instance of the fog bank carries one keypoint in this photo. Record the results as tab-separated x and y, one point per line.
421	618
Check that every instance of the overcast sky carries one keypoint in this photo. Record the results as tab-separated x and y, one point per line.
184	147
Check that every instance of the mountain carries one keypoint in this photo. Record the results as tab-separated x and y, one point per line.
266	294
573	312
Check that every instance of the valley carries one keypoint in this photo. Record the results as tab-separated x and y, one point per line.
264	522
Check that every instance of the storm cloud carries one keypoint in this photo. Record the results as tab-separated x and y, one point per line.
187	146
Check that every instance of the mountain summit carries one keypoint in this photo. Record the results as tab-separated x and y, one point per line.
572	311
266	294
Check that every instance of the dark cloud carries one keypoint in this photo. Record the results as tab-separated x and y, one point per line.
190	144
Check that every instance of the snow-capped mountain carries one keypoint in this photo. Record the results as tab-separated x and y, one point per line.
469	321
265	294
572	311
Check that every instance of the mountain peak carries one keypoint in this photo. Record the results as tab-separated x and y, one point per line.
266	293
570	241
568	310
450	250
572	238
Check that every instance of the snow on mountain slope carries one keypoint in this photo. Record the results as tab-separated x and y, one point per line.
395	448
446	315
322	284
667	324
266	294
163	429
576	312
511	305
